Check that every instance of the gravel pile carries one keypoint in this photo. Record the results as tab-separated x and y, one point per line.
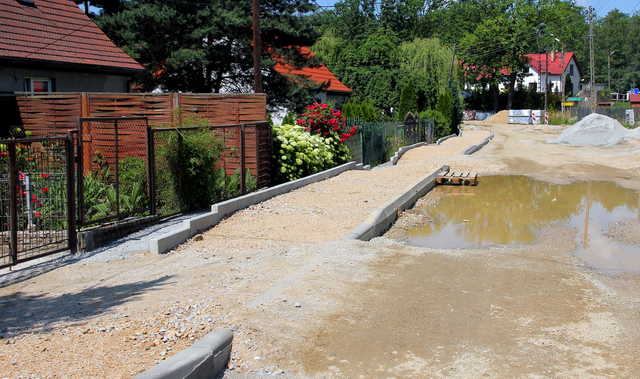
595	130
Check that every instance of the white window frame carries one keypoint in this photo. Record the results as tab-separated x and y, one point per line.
39	79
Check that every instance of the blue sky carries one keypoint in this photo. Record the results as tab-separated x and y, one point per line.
602	6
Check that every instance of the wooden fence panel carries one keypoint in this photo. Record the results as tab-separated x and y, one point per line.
157	108
58	113
49	115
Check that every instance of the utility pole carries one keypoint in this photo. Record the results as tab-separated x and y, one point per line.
257	47
453	59
609	67
592	64
546	84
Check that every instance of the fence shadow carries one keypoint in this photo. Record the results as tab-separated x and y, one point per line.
21	313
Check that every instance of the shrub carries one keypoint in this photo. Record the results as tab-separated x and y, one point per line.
189	172
298	153
363	110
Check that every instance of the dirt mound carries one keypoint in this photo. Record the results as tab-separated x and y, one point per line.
501	117
594	130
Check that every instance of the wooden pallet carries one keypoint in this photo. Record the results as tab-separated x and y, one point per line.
457	178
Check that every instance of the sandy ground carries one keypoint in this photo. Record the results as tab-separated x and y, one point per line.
303	302
117	318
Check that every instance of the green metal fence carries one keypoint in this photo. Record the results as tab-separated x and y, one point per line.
376	142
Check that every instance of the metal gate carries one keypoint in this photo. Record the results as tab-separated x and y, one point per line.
37	198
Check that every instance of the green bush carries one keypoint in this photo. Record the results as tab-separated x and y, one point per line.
297	153
442	122
362	110
188	179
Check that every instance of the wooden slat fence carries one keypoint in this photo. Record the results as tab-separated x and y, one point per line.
56	114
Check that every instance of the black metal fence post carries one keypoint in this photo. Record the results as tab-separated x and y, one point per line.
117	169
71	199
13	203
243	188
80	175
151	171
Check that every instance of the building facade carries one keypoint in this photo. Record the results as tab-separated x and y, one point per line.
51	46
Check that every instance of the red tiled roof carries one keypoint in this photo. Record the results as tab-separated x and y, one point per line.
319	75
633	98
556	66
57	31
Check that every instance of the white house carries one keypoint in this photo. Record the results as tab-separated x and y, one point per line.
560	67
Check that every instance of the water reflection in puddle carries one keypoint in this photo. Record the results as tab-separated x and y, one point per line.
511	210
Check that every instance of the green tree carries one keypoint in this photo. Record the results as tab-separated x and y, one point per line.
408	100
205	45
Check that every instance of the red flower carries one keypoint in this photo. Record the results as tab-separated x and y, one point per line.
44	176
22	193
34	197
300	122
37	214
45	189
21	176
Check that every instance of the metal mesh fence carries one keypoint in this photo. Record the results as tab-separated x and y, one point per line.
620	114
182	184
36	201
376	142
114	184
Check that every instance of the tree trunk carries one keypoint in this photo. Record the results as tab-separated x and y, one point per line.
494	90
512	89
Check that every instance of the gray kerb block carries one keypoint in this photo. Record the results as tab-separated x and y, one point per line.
479	146
169	240
382	219
205	359
198	224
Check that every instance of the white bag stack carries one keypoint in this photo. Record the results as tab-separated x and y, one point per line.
520	116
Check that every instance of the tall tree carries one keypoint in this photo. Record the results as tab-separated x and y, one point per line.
205	45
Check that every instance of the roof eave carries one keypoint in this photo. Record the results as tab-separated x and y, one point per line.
68	66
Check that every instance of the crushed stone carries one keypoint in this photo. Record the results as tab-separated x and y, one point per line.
595	130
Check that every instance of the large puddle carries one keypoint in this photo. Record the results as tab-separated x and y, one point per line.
512	210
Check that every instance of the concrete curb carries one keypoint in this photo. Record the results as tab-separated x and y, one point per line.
479	146
441	140
382	219
396	157
224	209
207	358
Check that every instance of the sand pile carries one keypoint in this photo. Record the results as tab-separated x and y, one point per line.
595	130
501	117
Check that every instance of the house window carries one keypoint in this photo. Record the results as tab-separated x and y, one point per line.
533	86
571	69
38	85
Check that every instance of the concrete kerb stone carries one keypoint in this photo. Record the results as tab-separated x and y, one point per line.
479	146
207	358
441	140
382	219
228	207
401	151
224	209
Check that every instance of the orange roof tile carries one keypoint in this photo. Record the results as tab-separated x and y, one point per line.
319	75
57	31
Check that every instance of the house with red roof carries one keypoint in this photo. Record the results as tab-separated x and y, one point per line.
557	69
53	46
330	88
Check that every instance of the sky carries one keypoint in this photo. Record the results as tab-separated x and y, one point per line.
602	6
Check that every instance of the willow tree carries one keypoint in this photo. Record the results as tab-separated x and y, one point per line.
430	66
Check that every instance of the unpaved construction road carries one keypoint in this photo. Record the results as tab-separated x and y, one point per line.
302	302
